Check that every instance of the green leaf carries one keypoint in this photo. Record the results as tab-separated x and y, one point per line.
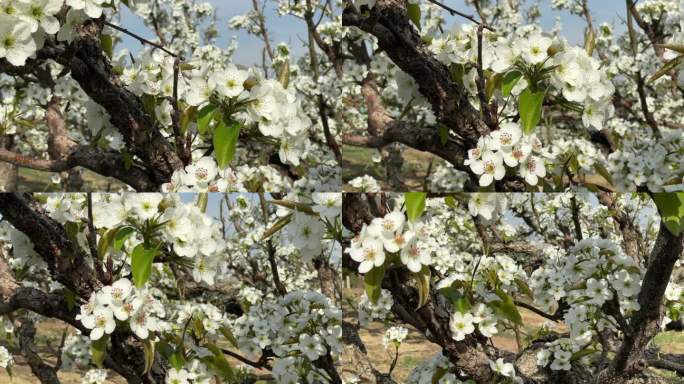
225	141
107	44
506	307
148	350
105	242
188	115
72	232
120	237
228	334
141	264
524	288
176	360
149	105
280	224
415	204
671	208
589	41
127	159
438	374
603	172
70	298
202	200
581	353
423	285
460	302
509	81
530	107
204	117
443	131
672	47
670	65
284	74
493	82
373	280
220	364
98	350
413	11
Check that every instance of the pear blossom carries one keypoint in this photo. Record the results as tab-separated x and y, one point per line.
16	43
461	325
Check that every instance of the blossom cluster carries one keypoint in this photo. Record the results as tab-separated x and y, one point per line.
391	234
595	271
506	146
123	302
299	328
394	336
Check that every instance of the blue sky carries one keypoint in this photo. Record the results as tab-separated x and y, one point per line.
291	30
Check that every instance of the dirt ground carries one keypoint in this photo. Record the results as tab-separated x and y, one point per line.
358	161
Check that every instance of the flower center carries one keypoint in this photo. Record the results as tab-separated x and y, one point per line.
201	173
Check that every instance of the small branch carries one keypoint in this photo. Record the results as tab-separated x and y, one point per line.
261	363
484	105
454	12
576	218
140	38
92	240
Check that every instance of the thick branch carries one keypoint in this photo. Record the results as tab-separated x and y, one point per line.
397	36
65	260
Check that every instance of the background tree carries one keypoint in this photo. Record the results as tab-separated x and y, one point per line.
152	288
600	266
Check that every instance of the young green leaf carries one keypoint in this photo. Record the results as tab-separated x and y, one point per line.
423	285
120	237
141	264
506	307
107	44
509	81
372	281
220	364
530	108
98	350
204	117
413	11
148	350
415	204
671	208
188	115
105	241
225	142
443	131
670	65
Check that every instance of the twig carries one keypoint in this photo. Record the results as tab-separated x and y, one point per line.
140	38
92	239
457	13
484	105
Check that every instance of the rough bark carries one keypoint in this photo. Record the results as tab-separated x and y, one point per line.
66	262
68	265
89	66
397	37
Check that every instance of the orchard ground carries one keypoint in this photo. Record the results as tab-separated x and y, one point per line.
416	348
357	161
